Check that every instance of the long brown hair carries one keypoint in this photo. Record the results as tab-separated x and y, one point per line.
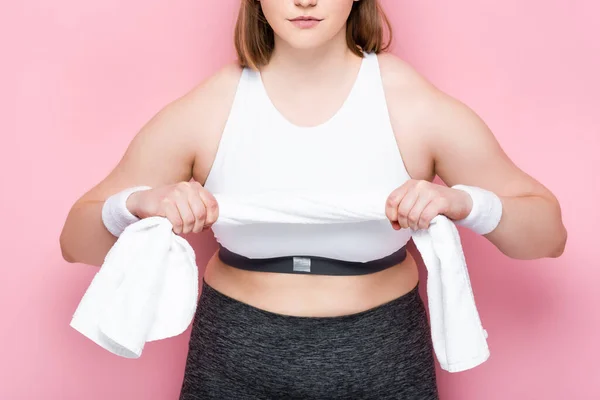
366	30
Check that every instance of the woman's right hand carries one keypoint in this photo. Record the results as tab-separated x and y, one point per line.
187	205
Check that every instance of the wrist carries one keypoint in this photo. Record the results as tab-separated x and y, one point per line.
486	210
132	204
116	214
467	204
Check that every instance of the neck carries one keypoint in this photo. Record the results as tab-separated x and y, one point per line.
315	64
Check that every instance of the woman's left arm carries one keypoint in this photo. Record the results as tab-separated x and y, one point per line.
466	152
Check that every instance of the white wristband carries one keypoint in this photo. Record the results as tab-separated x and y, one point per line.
486	212
115	215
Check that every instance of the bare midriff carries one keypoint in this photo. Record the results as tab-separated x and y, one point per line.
312	295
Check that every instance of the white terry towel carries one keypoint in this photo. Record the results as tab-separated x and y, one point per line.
145	290
148	285
459	339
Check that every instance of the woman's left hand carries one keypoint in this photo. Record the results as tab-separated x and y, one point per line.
415	203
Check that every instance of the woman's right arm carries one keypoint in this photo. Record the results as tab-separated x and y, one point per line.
162	153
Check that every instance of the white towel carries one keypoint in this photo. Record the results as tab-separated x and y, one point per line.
148	285
459	339
146	290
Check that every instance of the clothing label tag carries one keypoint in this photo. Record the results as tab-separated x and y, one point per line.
302	264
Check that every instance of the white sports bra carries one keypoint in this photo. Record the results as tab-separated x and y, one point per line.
285	190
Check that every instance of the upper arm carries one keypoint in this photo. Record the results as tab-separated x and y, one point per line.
164	150
466	151
461	147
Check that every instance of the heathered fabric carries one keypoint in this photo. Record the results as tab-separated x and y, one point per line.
238	351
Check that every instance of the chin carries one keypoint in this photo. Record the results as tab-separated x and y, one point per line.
305	44
307	40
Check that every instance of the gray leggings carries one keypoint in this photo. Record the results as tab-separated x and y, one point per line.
237	351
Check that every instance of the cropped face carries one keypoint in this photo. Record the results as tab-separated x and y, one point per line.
305	24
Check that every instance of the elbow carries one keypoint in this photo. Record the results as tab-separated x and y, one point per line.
66	255
63	249
68	258
559	233
559	248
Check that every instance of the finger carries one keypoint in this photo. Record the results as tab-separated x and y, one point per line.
430	212
187	216
406	206
391	205
172	214
414	217
211	206
199	210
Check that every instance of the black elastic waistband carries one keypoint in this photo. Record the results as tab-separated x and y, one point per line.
312	265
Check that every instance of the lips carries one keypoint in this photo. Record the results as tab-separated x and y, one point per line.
306	18
305	22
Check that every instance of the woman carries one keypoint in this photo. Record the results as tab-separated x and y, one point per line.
314	103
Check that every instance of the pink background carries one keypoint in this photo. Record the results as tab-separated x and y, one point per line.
79	79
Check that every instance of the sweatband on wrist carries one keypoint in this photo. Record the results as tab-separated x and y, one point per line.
115	215
486	212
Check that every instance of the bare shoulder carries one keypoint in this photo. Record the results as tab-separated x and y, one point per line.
409	97
218	88
433	121
430	108
451	134
180	139
190	126
193	117
397	72
211	100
